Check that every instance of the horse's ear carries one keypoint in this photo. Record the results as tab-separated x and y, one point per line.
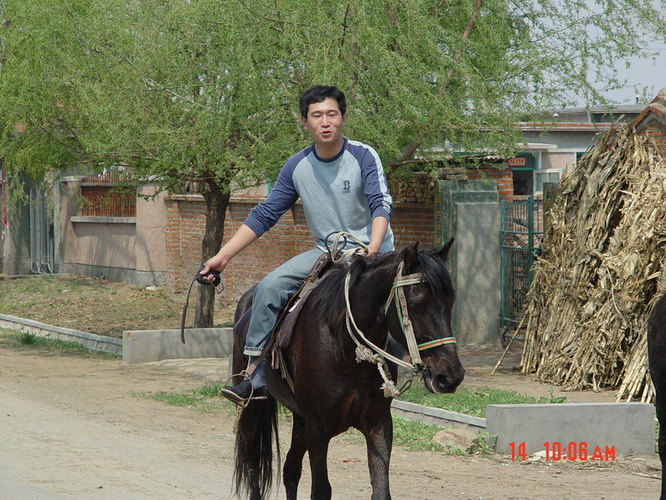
409	256
443	252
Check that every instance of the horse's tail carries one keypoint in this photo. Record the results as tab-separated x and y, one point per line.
253	473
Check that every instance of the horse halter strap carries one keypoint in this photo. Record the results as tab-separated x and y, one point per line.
397	295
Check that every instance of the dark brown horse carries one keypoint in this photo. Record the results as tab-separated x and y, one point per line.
332	391
657	360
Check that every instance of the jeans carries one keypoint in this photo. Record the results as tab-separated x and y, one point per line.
271	294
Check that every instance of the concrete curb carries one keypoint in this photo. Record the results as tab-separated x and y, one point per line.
437	416
89	340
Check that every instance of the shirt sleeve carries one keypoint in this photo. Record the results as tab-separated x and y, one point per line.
375	186
281	198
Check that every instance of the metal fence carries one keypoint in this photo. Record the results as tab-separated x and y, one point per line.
521	235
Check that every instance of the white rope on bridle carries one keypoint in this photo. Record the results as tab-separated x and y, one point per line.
379	356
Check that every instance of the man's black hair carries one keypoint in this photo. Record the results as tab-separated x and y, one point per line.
319	93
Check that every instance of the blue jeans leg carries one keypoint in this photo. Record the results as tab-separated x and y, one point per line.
270	296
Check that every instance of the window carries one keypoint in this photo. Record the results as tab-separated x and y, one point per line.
549	175
100	196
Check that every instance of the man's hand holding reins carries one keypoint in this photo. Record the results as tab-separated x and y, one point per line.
242	239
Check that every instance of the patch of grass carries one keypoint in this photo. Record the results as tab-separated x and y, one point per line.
209	391
481	444
43	345
205	399
173	399
418	436
472	401
27	338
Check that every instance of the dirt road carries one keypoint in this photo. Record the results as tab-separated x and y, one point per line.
72	428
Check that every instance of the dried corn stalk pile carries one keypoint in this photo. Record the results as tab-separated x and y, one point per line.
600	270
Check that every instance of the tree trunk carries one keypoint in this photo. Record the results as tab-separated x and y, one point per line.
217	200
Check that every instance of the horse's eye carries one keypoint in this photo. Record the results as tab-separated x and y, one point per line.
418	304
418	295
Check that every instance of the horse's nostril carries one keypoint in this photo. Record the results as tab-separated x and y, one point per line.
444	381
448	382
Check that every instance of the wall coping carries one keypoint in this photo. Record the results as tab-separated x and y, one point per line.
71	178
91	219
253	200
200	198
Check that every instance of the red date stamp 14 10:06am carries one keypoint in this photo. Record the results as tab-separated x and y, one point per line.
568	451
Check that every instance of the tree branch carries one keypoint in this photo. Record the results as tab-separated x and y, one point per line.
465	36
344	26
414	145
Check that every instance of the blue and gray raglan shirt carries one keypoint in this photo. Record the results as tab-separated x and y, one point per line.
343	193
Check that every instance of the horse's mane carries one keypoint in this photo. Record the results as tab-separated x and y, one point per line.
436	273
328	297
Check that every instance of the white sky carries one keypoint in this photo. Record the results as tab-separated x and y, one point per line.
642	73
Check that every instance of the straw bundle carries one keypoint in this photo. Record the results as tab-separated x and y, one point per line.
601	270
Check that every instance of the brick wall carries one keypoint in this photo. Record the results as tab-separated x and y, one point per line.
656	130
414	216
503	179
413	220
652	121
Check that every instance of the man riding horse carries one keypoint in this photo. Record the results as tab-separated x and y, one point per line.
342	186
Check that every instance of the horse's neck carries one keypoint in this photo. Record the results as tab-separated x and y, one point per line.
368	300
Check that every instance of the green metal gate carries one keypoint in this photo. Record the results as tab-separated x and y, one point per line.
521	235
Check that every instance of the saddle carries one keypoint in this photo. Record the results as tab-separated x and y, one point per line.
282	332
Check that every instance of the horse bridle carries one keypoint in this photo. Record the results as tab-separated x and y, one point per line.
397	296
364	349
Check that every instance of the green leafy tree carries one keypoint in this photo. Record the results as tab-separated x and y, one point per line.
206	90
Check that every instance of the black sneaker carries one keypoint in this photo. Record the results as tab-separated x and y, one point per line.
241	392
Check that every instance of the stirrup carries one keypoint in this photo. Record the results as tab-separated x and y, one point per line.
235	398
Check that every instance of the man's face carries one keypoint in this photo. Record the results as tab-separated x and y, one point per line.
324	122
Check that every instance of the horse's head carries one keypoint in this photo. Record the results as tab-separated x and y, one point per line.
428	302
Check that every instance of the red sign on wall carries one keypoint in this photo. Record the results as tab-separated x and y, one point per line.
518	161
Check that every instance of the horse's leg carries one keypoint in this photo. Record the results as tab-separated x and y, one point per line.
293	465
660	405
317	453
656	340
379	441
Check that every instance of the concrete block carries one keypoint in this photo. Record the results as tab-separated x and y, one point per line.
624	428
469	211
140	346
478	277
